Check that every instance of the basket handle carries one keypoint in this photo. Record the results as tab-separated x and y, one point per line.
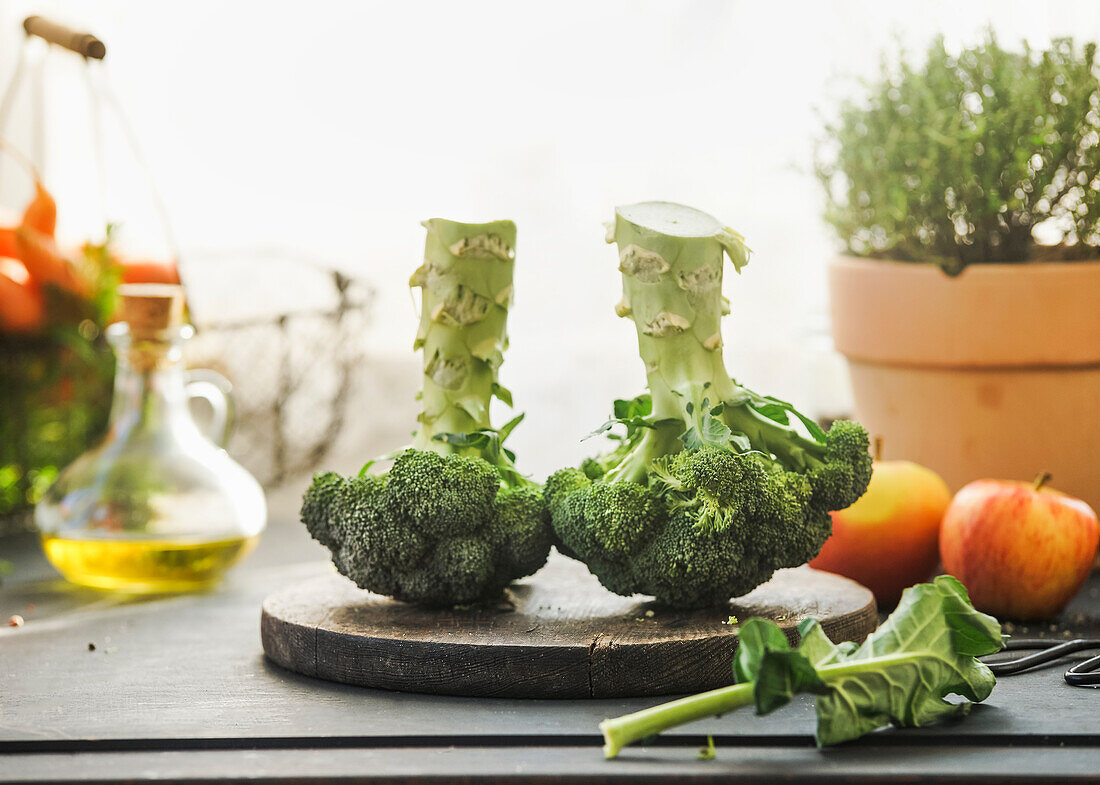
84	44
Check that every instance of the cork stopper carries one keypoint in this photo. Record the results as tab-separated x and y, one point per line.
151	308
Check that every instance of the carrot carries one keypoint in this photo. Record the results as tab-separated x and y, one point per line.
7	241
8	221
21	306
41	213
45	263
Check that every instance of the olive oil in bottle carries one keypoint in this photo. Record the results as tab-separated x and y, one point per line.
157	506
145	565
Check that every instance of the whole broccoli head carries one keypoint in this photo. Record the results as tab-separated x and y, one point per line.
436	530
713	487
452	521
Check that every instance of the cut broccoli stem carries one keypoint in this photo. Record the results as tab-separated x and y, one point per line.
466	290
622	731
671	258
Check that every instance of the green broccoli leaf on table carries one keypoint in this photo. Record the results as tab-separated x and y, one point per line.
901	675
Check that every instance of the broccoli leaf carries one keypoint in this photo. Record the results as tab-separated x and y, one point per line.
903	671
901	675
484	438
502	393
641	406
774	411
764	658
480	438
505	430
706	429
780	411
755	638
782	675
489	442
629	412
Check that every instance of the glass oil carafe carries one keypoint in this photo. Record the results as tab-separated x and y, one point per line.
157	506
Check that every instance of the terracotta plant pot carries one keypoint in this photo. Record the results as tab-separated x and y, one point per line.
993	374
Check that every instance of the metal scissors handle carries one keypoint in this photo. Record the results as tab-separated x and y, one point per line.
1083	674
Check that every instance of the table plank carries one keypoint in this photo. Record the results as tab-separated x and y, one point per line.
866	763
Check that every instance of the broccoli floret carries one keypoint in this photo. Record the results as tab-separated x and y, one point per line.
520	531
713	487
436	530
452	522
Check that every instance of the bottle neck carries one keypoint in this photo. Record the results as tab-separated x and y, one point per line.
149	392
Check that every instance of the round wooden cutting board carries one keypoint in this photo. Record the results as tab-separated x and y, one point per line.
558	634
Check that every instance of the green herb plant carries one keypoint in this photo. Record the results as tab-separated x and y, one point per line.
987	155
926	650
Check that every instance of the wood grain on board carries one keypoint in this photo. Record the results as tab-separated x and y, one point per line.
558	634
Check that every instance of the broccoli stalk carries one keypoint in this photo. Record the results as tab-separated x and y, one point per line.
466	290
452	521
671	258
713	486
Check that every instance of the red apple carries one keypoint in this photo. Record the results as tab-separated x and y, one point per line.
889	539
1021	549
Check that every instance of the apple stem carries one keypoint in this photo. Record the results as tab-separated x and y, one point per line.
877	453
1041	480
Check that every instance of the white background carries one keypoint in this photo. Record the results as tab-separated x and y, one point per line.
334	128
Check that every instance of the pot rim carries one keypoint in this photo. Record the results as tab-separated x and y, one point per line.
1007	315
989	268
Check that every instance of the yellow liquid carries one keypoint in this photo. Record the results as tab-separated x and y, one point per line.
146	566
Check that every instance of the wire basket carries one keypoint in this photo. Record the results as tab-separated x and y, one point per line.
289	335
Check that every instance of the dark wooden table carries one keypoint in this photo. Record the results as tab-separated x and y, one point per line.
177	689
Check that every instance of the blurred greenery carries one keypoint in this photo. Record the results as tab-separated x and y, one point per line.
55	393
987	155
55	388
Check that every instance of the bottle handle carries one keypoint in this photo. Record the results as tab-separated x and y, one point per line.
217	391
